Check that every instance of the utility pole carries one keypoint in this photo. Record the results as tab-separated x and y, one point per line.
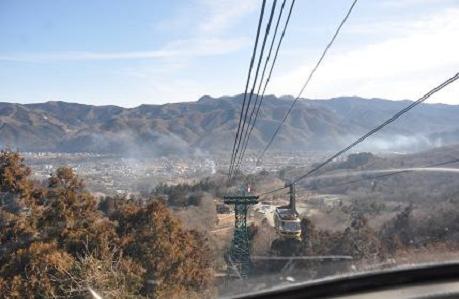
238	257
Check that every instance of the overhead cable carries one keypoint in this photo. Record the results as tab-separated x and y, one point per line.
393	173
373	131
260	59
247	86
258	105
311	74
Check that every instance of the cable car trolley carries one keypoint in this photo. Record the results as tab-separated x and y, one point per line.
286	219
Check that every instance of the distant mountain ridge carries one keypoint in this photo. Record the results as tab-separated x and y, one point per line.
209	125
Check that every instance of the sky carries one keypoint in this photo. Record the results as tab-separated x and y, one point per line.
127	53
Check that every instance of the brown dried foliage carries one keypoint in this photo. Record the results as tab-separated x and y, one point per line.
57	244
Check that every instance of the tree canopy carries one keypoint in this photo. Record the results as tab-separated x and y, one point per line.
59	244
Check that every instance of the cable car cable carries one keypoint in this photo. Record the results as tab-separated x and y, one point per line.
247	85
373	131
311	74
269	73
260	59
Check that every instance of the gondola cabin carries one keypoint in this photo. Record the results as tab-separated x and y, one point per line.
287	223
286	219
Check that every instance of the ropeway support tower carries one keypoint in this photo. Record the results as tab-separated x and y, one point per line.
238	256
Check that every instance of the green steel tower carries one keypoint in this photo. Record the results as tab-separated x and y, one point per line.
238	257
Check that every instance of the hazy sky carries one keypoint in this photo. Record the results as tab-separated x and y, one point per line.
143	51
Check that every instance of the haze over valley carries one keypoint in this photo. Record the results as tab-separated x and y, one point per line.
131	150
208	125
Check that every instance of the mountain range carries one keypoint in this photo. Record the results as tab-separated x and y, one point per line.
209	124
